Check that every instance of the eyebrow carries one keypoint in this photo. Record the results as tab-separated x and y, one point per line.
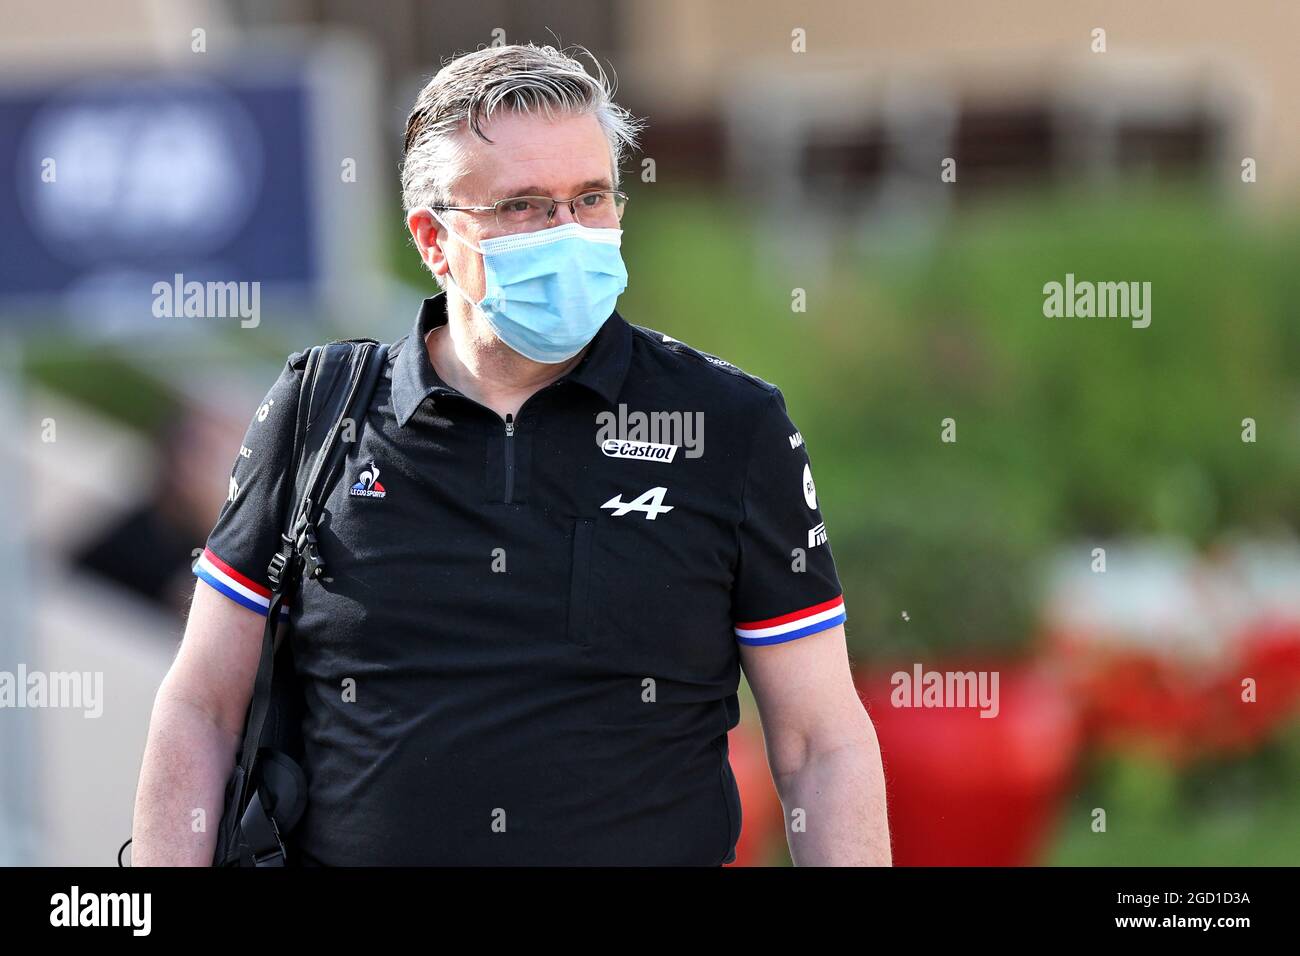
601	183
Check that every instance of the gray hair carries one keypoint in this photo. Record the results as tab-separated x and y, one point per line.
521	77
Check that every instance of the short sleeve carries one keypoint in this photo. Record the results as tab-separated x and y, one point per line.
247	533
786	584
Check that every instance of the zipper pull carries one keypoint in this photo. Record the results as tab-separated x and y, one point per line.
510	426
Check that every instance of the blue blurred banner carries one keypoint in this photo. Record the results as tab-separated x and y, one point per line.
111	183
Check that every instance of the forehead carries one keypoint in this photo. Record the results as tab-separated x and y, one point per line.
531	154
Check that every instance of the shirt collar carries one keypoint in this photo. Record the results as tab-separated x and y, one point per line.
602	369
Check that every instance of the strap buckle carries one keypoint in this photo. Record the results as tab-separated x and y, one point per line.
276	855
305	545
275	571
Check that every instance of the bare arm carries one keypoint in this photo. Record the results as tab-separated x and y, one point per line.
822	750
194	732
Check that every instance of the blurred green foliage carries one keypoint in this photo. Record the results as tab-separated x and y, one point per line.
111	384
129	386
1224	812
1067	429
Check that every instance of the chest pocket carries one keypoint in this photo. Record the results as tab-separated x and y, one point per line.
651	598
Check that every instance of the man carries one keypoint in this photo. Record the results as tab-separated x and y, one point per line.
528	645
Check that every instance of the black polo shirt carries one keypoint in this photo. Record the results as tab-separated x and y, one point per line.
526	651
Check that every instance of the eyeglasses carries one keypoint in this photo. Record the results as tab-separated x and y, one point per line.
600	208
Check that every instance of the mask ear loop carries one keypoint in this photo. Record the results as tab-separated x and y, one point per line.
451	279
457	236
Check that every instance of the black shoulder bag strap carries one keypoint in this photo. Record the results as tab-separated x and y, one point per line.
337	385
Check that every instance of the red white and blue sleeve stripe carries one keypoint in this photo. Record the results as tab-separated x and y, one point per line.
239	588
796	624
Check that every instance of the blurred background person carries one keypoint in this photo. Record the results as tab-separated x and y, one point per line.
148	549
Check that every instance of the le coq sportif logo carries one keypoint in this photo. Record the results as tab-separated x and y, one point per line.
367	484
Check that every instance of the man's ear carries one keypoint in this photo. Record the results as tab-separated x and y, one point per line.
424	230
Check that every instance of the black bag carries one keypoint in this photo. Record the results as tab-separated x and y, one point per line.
267	791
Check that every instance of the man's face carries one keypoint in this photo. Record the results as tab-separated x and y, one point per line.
529	156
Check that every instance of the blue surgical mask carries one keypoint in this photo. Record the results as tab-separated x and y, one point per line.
547	293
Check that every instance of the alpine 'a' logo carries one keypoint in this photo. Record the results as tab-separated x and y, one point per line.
652	503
